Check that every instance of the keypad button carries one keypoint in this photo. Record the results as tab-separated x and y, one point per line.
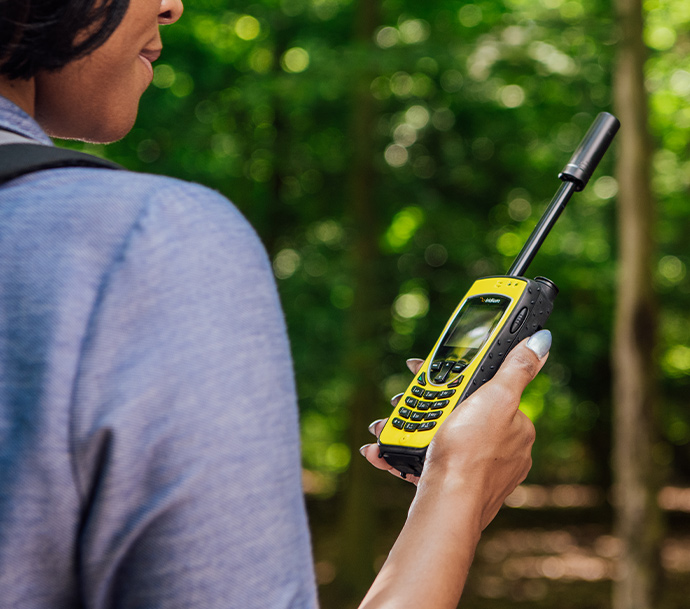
410	401
456	382
430	395
427	426
448	393
418	391
405	413
399	423
421	379
411	426
422	405
441	404
434	414
459	366
436	366
417	416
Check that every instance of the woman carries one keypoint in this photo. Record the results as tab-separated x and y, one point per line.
149	452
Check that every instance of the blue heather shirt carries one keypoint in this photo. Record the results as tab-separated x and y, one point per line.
149	451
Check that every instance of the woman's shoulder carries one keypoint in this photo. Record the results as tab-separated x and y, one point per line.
107	199
142	189
102	211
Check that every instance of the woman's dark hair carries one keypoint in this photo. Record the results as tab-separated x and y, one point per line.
38	35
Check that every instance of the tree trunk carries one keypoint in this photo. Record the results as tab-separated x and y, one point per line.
358	527
638	520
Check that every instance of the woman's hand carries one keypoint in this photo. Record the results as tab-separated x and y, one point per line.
487	438
476	459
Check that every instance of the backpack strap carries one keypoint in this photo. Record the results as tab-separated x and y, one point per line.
19	159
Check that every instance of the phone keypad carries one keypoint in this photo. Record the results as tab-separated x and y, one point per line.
442	369
421	414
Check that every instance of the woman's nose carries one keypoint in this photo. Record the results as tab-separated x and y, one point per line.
170	11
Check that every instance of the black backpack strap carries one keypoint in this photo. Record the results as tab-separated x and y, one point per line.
19	159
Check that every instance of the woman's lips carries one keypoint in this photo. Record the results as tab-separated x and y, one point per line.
148	56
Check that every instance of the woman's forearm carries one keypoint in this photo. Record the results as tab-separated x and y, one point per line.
428	565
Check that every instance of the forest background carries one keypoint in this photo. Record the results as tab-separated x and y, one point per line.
389	152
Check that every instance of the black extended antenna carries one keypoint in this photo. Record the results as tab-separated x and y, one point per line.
575	176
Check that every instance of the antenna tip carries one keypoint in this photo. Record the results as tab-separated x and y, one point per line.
590	151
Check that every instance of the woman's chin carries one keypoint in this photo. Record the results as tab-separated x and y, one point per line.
104	131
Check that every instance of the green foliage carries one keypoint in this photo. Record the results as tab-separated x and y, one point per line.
477	108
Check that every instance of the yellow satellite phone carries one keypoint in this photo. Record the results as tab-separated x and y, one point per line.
495	314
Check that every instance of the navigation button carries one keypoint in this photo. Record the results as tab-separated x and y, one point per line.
443	373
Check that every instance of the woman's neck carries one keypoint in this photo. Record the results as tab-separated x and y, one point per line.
20	92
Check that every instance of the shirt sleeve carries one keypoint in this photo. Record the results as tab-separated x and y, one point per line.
184	422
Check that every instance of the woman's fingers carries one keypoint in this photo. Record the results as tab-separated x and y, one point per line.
371	453
376	427
414	364
519	368
396	398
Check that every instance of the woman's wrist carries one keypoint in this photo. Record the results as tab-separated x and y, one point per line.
451	491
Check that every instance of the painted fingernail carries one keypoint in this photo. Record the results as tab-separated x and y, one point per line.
396	398
372	427
413	363
362	449
540	343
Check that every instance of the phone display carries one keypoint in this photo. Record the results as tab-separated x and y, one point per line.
472	327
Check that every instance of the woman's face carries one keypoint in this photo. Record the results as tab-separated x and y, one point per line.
96	98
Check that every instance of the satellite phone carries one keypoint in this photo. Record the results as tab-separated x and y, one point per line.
495	315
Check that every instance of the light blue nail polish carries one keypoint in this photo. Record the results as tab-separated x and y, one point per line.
361	449
540	343
372	427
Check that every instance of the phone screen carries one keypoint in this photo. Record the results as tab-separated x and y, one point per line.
471	328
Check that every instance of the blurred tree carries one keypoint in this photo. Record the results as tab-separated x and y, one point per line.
367	315
636	471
